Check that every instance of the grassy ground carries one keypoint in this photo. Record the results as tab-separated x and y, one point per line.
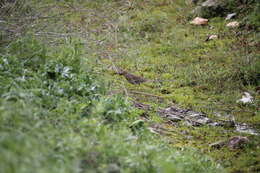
56	117
152	39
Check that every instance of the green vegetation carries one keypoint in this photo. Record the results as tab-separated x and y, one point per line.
55	117
63	108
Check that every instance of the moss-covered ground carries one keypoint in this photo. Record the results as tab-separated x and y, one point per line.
154	39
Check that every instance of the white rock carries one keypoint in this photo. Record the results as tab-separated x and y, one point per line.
234	24
230	16
199	21
246	98
209	3
213	37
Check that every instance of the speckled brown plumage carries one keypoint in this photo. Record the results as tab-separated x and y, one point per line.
135	80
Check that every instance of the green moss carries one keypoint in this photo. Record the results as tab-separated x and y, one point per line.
154	39
196	74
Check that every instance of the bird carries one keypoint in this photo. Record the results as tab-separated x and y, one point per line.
133	79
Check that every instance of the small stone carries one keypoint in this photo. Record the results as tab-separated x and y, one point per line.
199	21
212	37
234	24
209	3
230	16
246	98
236	142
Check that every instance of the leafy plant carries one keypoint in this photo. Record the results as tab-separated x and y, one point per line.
55	117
